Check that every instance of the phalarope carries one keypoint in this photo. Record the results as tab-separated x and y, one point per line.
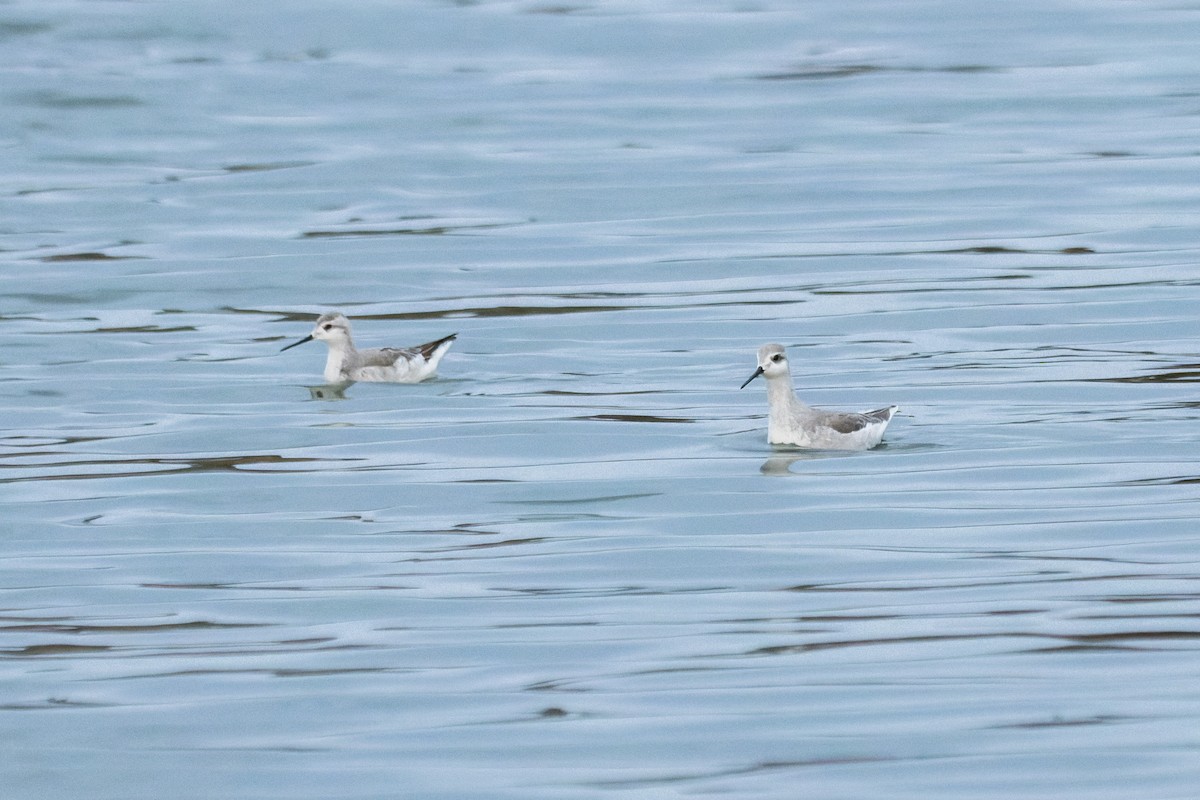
792	422
387	364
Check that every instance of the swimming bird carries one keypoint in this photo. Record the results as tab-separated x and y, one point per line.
346	363
792	422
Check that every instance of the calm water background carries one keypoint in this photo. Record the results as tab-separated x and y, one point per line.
571	567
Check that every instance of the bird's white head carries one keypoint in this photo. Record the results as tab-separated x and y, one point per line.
772	363
332	328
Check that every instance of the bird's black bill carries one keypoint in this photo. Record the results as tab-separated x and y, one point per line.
757	372
294	344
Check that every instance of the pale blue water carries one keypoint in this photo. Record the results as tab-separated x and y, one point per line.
571	567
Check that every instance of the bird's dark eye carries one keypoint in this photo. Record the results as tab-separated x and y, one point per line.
328	326
777	357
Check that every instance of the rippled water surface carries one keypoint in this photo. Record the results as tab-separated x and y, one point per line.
571	566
